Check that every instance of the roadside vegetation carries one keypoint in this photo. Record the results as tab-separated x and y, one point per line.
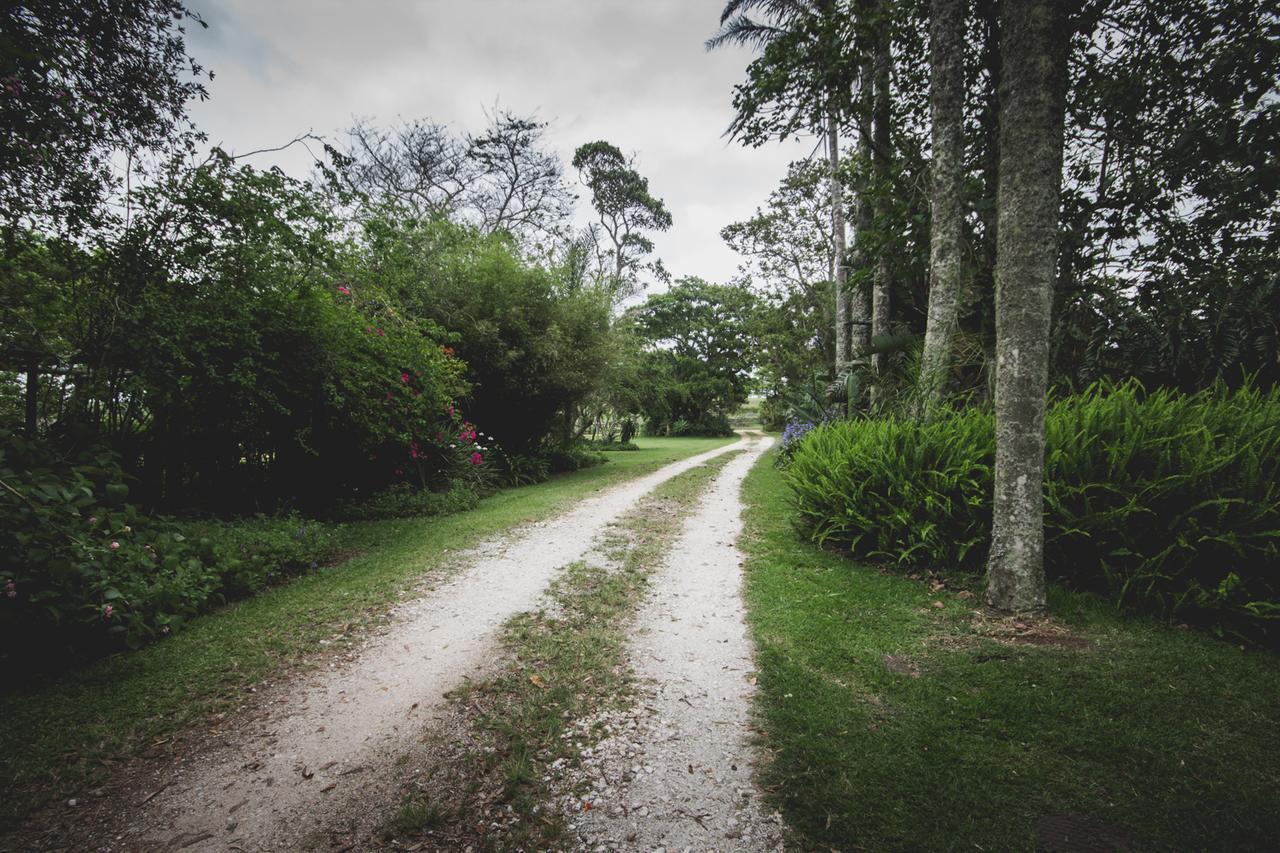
902	715
66	732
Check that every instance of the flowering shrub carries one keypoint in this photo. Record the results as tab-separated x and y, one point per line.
792	434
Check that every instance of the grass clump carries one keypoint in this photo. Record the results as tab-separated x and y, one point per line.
899	718
1159	501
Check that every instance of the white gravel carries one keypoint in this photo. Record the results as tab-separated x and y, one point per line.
328	745
676	772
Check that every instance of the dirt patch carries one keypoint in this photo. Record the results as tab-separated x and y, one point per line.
677	770
901	665
1040	631
1074	833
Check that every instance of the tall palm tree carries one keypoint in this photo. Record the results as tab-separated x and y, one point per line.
816	24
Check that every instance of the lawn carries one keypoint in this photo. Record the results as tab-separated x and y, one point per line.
899	718
76	728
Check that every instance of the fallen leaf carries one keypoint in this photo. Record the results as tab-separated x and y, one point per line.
938	605
537	682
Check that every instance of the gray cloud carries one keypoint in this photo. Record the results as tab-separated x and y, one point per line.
635	74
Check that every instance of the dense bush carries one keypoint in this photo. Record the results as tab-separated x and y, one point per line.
82	569
572	457
407	501
532	341
1160	501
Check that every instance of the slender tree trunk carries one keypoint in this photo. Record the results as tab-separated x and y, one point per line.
841	274
946	107
984	289
1032	105
864	220
882	282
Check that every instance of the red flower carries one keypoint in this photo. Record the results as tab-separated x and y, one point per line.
476	458
404	377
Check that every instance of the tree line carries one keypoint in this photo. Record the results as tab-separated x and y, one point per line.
1041	193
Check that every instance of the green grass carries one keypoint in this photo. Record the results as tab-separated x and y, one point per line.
77	728
562	664
1167	737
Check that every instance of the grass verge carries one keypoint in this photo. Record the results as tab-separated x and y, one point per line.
563	664
80	727
901	718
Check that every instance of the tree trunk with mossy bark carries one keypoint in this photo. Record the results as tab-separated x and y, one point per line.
946	107
1034	41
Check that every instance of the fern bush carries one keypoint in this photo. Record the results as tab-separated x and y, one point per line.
1160	501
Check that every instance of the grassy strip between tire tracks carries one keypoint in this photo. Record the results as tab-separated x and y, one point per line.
77	728
564	663
900	717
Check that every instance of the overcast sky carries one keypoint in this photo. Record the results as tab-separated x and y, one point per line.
634	73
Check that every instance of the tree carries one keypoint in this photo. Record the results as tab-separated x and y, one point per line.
501	180
946	105
84	81
1034	44
790	261
700	336
624	205
807	41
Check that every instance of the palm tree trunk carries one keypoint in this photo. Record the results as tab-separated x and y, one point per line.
864	221
882	283
841	272
946	106
1034	41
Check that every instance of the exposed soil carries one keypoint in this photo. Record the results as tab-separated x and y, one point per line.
676	771
312	749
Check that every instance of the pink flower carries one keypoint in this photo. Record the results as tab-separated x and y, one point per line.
379	331
107	610
476	458
345	291
448	410
93	519
115	546
404	377
10	590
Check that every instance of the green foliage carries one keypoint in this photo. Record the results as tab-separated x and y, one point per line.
624	205
83	81
82	570
516	469
1165	737
696	371
1159	501
573	457
530	344
404	500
